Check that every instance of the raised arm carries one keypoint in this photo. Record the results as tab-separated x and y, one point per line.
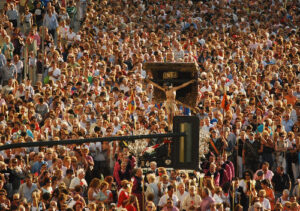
155	84
183	85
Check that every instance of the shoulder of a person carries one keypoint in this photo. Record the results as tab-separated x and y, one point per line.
174	196
175	208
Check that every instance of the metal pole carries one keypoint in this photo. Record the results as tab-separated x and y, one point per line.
43	52
26	61
90	140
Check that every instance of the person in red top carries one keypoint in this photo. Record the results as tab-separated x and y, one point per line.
131	206
290	98
124	195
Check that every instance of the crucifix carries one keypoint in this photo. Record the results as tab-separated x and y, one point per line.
171	102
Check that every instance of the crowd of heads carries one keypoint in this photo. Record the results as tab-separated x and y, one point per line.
68	70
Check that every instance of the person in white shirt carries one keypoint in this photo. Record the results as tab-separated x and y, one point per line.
206	87
192	201
21	91
2	100
163	183
178	51
54	72
70	35
32	67
170	194
218	195
19	65
27	188
79	180
63	29
100	157
152	187
263	200
181	194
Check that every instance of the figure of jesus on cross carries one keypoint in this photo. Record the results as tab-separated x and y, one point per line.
171	102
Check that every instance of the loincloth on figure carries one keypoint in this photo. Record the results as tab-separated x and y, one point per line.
171	108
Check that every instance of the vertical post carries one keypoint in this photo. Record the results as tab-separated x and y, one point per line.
201	180
43	49
250	196
26	61
237	157
34	65
143	193
233	195
285	3
298	189
181	144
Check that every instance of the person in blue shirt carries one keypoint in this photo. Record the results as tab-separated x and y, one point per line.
50	21
2	63
189	23
2	59
36	167
287	122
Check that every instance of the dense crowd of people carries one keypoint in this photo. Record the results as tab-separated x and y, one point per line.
69	69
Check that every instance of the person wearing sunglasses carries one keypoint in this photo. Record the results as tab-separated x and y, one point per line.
150	206
170	206
4	201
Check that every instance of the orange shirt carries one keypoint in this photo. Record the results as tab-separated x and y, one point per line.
270	196
291	99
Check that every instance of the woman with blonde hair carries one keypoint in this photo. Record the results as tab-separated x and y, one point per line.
263	200
4	201
209	183
124	194
92	206
36	203
152	188
150	206
278	207
266	186
103	194
7	47
93	190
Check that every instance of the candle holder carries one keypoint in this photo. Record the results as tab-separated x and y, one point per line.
137	148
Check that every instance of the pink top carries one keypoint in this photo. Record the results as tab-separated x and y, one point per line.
206	202
268	175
